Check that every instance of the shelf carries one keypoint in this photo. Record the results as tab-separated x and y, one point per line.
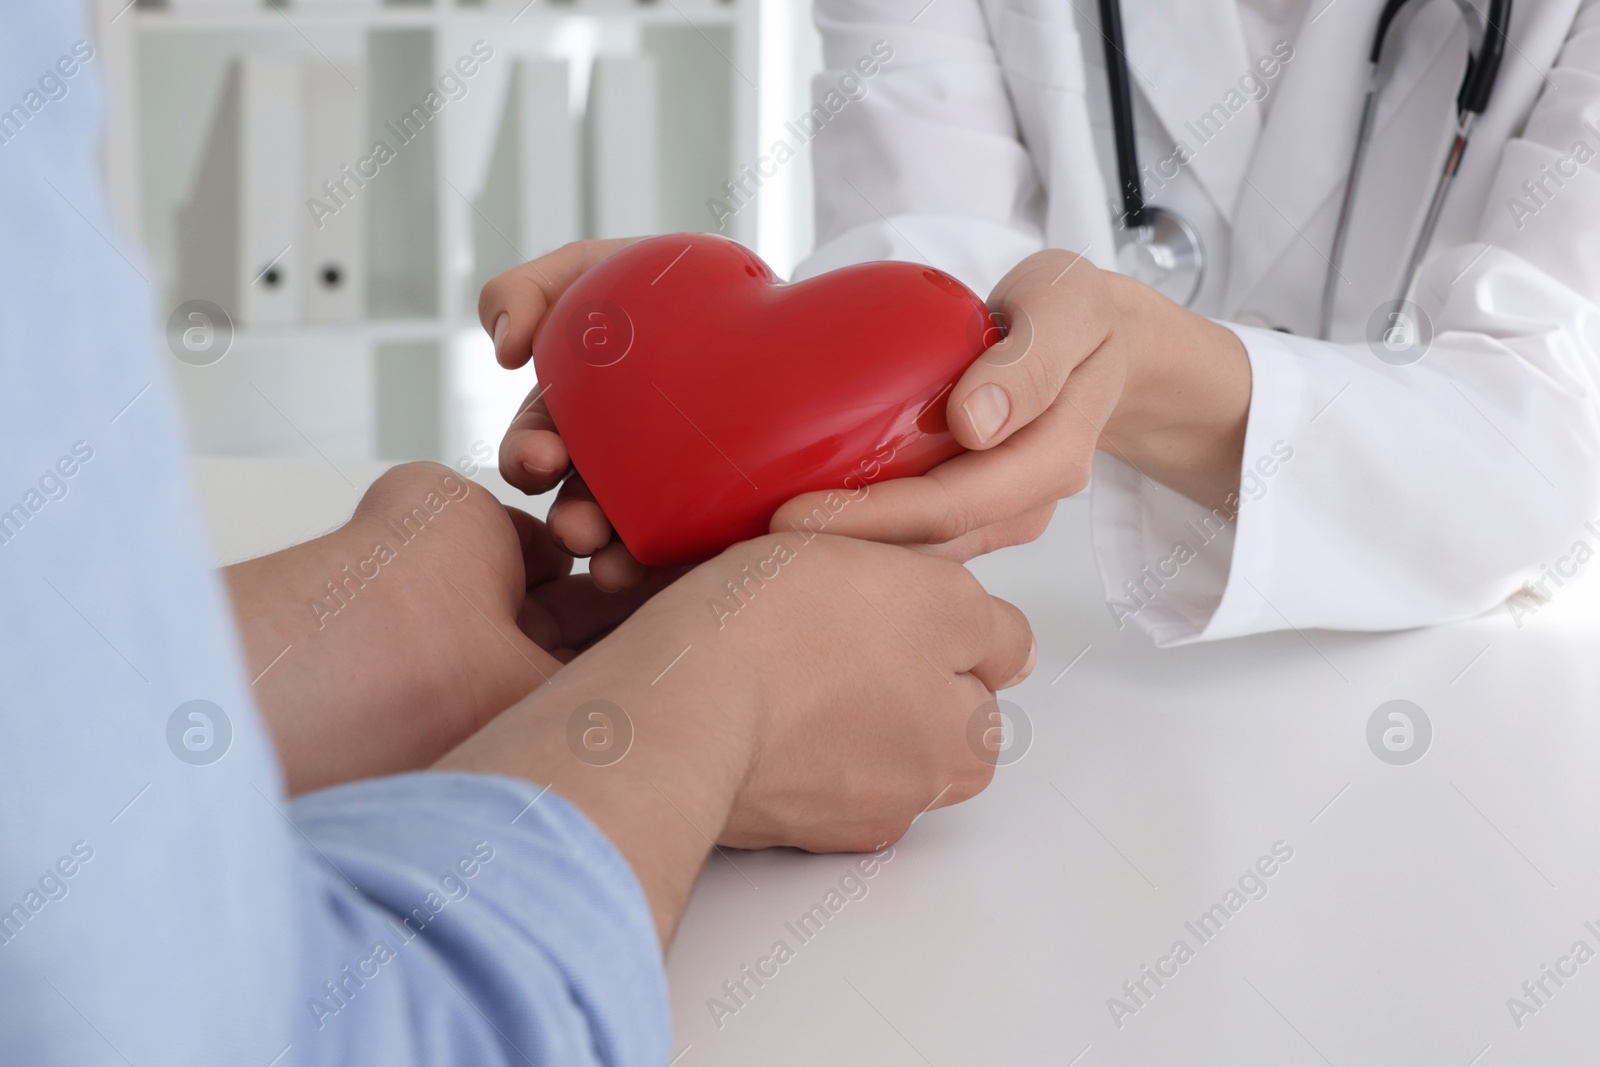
367	330
423	382
499	16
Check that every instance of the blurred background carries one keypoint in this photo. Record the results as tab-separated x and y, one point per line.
322	186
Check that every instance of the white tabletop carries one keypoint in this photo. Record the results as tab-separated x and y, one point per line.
1417	900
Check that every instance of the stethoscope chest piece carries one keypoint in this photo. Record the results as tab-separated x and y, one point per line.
1157	246
1163	252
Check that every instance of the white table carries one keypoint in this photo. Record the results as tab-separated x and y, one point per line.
1418	899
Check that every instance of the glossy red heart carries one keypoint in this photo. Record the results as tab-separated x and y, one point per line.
696	392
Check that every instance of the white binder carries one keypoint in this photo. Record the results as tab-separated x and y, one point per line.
528	201
547	151
333	218
623	160
239	235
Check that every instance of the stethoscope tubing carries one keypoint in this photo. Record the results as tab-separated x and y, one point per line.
1486	49
1341	231
1120	88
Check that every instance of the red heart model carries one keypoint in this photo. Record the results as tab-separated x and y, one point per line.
696	392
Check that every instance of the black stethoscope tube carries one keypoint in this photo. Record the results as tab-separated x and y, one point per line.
1483	66
1477	84
1117	82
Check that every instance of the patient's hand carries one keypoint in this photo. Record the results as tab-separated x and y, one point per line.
380	646
532	456
803	690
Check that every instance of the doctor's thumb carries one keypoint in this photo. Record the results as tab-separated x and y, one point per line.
1006	388
1055	311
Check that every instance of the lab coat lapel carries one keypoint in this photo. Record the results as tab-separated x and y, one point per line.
1303	155
1186	57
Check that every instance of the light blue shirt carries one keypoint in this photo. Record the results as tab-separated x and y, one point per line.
158	911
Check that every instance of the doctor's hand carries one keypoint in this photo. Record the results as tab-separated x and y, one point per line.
1092	361
1031	410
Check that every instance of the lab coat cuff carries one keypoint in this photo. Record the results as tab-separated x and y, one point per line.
1280	389
1178	570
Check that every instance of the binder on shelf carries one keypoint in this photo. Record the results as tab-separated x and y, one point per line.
239	237
210	5
623	157
547	148
529	202
333	218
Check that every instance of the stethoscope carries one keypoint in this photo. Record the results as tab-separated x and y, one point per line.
1160	248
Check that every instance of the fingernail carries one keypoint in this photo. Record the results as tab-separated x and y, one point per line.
500	325
1027	668
987	408
537	472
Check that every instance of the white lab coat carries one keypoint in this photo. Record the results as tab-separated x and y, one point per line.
1412	494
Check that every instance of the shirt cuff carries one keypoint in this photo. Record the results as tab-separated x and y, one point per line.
527	912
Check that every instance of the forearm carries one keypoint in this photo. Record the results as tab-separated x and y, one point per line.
667	797
1182	416
403	670
338	700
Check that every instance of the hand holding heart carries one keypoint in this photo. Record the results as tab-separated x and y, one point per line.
1030	409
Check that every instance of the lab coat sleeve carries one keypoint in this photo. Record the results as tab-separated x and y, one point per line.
905	167
1379	497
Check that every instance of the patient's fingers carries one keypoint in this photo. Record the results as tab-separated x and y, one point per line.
532	455
579	526
614	568
1009	651
572	612
542	559
512	304
576	521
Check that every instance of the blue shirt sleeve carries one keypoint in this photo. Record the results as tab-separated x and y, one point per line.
161	902
496	918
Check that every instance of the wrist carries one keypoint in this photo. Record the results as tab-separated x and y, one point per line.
1185	404
1145	401
649	733
368	663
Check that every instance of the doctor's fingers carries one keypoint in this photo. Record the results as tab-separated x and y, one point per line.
1033	468
1018	530
532	455
1057	311
512	303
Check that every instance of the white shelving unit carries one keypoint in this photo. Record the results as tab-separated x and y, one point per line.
416	377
